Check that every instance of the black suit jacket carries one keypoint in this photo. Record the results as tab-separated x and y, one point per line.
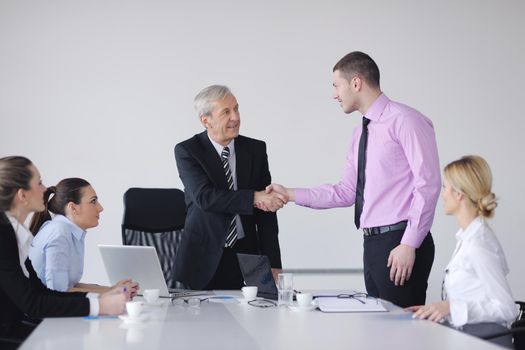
211	205
20	295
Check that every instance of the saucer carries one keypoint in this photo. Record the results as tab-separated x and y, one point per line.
141	318
245	301
298	308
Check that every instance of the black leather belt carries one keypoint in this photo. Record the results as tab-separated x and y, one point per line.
373	231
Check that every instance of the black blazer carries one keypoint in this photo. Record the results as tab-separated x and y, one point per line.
20	295
210	206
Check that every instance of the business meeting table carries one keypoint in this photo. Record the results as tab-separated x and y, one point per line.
228	324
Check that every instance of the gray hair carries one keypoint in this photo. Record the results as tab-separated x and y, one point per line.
205	98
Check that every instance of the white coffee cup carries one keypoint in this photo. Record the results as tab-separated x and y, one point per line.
151	295
304	299
249	292
134	308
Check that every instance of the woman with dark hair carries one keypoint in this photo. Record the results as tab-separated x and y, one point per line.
57	251
21	292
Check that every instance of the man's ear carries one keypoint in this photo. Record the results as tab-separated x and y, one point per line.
204	120
357	83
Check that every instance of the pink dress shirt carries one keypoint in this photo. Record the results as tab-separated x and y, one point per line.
402	172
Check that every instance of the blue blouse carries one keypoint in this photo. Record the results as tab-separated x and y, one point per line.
57	253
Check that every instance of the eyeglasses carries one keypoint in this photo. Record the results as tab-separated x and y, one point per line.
194	302
262	303
357	296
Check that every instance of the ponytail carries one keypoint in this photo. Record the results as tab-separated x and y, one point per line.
39	218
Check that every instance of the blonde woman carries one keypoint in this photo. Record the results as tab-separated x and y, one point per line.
476	295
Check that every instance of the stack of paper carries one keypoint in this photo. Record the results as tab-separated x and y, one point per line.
335	304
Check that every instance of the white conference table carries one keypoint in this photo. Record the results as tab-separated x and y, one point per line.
240	326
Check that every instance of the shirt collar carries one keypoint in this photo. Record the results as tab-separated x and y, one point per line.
376	109
23	238
219	147
471	229
76	231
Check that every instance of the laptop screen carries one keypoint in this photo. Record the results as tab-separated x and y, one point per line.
139	263
257	271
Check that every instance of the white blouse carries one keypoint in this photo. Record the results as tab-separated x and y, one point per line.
475	282
24	239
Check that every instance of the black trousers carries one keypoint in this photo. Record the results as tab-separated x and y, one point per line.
377	274
228	274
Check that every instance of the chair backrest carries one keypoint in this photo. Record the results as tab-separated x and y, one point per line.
518	327
155	217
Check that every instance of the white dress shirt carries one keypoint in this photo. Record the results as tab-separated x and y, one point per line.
24	239
475	282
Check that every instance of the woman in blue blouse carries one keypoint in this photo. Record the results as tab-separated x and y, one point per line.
22	294
57	251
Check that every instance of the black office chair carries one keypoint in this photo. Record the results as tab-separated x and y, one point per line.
155	217
517	329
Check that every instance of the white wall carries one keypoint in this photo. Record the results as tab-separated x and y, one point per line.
103	90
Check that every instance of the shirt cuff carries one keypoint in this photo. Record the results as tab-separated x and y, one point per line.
94	306
412	238
302	197
458	312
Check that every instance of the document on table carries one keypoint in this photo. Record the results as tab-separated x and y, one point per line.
335	304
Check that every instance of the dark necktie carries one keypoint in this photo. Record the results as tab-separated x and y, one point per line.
231	238
361	164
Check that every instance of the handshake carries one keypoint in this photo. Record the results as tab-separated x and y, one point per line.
273	198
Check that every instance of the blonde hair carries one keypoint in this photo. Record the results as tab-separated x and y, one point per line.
471	175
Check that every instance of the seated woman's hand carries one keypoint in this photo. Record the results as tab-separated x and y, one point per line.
131	287
435	312
112	302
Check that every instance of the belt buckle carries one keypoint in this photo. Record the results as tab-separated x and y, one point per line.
369	231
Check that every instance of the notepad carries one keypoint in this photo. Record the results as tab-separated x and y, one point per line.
334	304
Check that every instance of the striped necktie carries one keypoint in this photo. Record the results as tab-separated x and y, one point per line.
231	238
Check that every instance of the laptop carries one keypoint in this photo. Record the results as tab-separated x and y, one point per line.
139	263
257	271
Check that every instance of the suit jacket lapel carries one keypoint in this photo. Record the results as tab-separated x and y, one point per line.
243	163
212	161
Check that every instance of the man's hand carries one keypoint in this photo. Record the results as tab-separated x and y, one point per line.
275	273
269	201
288	192
435	312
401	261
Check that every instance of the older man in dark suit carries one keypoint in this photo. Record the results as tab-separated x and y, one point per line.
224	176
